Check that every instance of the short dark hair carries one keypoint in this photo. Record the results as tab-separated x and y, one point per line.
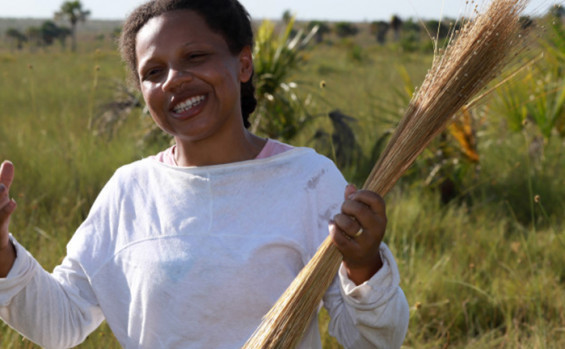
226	17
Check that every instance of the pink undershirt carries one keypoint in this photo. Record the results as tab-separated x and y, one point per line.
270	148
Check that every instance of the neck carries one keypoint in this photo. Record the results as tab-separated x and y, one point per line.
206	152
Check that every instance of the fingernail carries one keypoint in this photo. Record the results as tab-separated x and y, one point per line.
2	187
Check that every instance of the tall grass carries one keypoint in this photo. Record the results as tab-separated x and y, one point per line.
475	275
46	100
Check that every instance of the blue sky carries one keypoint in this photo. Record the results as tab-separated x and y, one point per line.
347	10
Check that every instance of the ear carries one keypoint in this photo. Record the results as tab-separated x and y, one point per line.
245	64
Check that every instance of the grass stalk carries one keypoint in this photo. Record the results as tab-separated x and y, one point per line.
32	89
93	96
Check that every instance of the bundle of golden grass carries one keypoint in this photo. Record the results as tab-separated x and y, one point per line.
477	54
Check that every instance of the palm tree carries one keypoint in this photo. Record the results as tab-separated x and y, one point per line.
287	17
396	26
74	13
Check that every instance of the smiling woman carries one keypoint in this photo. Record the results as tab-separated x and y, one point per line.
192	246
190	81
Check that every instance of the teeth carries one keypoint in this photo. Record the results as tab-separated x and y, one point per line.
189	103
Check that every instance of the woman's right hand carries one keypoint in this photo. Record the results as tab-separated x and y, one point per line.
7	207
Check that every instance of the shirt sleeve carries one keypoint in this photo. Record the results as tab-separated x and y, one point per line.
59	309
371	315
53	310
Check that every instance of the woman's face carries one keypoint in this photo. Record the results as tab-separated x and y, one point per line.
189	78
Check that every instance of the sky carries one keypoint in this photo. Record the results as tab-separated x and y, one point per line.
332	10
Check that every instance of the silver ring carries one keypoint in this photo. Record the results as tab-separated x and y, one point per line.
358	233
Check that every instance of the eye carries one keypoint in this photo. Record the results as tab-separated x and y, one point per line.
196	56
151	74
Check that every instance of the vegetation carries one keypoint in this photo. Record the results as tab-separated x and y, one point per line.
323	29
345	29
74	13
280	112
18	38
476	225
51	32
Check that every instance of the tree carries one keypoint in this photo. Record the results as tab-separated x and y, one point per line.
64	32
74	13
287	17
51	32
35	37
438	29
379	29
411	26
323	29
345	29
396	26
17	37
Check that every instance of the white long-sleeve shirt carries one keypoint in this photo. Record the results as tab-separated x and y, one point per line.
194	257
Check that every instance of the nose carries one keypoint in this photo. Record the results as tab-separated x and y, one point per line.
176	78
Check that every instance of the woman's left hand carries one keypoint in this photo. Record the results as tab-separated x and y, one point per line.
358	231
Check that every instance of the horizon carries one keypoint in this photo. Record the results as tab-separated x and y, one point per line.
331	10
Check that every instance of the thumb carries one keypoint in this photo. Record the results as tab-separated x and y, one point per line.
7	173
5	213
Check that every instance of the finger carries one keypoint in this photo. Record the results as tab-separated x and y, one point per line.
7	173
8	209
347	224
350	189
345	244
360	213
371	199
4	195
5	213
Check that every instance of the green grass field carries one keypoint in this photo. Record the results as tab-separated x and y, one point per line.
483	270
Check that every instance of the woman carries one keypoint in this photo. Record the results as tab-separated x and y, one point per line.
191	247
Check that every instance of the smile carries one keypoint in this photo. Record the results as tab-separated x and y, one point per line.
189	103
